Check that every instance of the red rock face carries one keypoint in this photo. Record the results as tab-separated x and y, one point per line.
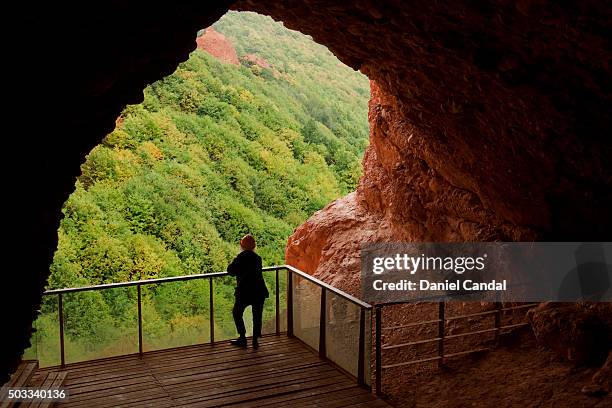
400	197
578	333
218	46
327	245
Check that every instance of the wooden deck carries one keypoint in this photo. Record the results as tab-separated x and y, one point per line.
282	372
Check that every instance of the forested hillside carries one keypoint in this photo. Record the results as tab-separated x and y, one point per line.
215	151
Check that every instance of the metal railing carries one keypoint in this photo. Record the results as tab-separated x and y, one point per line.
440	338
292	275
358	367
362	361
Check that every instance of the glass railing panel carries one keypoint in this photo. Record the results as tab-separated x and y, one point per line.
368	358
342	332
100	323
306	310
31	353
282	292
175	314
225	328
269	315
45	341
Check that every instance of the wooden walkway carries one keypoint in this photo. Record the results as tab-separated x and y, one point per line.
282	372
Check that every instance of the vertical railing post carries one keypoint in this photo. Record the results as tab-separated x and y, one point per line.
323	324
378	350
212	309
277	310
441	331
139	291
361	359
498	307
60	307
289	303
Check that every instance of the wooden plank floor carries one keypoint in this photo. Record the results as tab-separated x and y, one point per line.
281	372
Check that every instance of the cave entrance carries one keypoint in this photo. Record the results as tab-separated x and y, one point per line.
256	131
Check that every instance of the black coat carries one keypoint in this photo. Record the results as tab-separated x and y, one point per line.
250	285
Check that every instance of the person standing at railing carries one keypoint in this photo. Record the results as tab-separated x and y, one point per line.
250	290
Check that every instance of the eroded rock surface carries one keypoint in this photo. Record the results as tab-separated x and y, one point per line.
603	377
215	43
579	333
487	122
400	197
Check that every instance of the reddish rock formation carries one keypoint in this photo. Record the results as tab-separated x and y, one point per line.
602	379
327	244
576	332
399	198
218	46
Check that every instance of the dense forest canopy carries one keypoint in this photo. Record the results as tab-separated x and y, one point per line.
213	152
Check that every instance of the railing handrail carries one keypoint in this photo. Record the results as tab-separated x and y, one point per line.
153	281
181	278
329	287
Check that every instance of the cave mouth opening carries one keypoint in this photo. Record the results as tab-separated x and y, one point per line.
257	130
544	101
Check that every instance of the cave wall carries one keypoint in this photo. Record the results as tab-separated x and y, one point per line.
490	119
77	66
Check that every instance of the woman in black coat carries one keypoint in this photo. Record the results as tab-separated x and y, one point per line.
250	290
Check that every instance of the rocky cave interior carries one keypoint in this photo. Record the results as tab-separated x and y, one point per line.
489	120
